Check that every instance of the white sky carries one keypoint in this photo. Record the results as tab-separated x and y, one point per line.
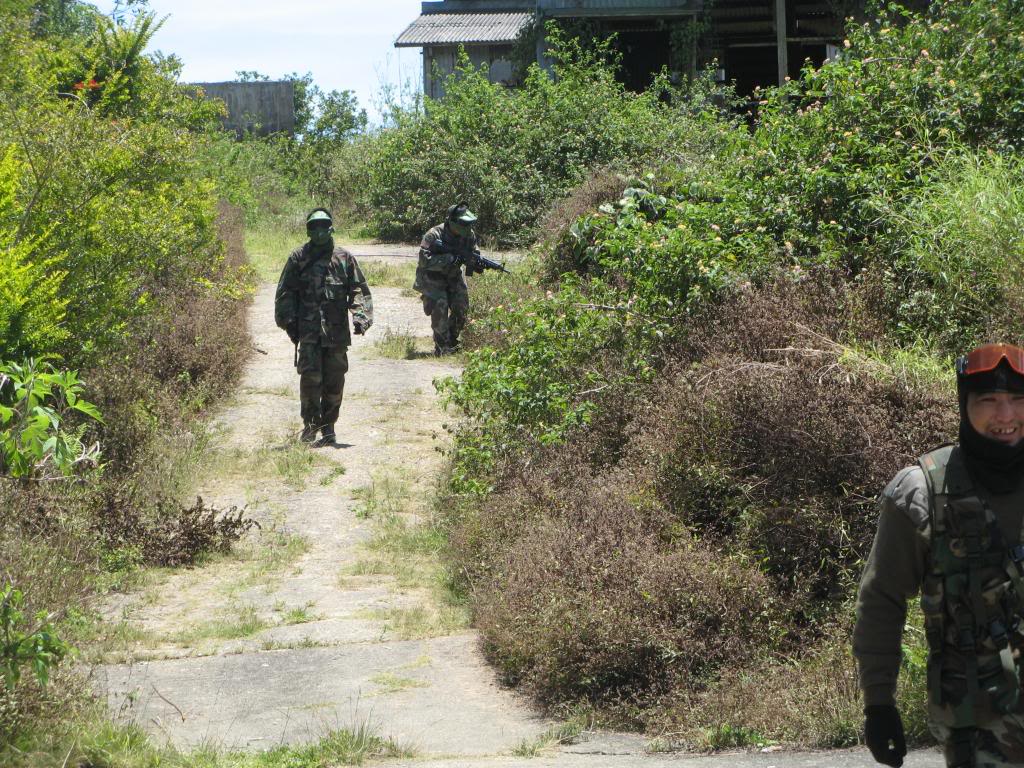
346	44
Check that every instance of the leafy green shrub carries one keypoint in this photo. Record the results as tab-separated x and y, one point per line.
37	647
37	436
33	310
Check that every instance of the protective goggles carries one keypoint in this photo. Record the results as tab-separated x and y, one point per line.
988	356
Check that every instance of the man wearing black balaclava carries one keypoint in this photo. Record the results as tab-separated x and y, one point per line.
320	286
949	528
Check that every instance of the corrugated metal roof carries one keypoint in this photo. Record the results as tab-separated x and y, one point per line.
454	28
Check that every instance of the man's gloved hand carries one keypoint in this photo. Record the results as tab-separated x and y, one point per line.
883	733
361	325
293	332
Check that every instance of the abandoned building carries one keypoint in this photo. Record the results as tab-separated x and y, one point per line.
754	42
259	107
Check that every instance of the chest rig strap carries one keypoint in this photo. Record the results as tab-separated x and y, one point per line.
968	552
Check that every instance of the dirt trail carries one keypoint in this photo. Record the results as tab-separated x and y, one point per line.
316	625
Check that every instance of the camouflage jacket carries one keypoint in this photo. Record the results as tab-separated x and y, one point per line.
316	293
900	564
435	266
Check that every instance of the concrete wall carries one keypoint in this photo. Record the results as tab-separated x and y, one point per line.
263	107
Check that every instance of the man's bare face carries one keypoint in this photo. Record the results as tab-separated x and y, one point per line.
998	416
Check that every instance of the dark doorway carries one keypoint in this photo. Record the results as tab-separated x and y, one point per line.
644	53
752	66
799	53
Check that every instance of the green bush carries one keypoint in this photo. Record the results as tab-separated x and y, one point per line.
116	260
36	647
38	439
509	153
32	312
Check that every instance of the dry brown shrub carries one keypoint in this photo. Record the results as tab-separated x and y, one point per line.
46	542
585	592
776	443
813	701
710	521
172	534
602	185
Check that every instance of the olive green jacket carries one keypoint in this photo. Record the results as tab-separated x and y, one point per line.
317	291
440	269
895	571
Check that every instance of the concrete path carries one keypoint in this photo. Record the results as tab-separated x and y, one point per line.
313	625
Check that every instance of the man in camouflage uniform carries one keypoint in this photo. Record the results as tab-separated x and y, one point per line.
950	528
320	285
439	277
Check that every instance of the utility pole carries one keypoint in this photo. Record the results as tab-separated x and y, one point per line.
780	39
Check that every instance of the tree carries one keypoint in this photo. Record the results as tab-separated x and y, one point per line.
338	118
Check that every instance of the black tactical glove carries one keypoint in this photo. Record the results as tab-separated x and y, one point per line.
882	726
293	332
360	325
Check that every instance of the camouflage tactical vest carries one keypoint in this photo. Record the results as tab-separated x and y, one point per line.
322	285
972	599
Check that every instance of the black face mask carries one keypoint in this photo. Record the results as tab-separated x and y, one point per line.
997	466
319	236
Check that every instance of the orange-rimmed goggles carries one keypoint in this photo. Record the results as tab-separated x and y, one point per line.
988	356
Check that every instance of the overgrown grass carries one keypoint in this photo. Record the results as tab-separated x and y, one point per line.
566	732
388	495
239	622
400	345
292	461
266	556
420	622
412	550
389	273
89	739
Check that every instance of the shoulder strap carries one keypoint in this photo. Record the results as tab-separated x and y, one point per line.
945	475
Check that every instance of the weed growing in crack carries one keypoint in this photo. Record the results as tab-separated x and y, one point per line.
245	621
389	682
388	273
398	345
566	732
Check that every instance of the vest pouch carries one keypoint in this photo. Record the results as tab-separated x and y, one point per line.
1000	685
333	311
952	676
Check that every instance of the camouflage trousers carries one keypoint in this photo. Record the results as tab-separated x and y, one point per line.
1000	743
321	382
446	302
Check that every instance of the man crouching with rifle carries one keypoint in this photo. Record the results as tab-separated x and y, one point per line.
444	250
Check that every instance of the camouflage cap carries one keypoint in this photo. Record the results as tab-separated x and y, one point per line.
318	214
461	214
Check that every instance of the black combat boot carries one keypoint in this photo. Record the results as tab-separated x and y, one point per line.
328	436
308	433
